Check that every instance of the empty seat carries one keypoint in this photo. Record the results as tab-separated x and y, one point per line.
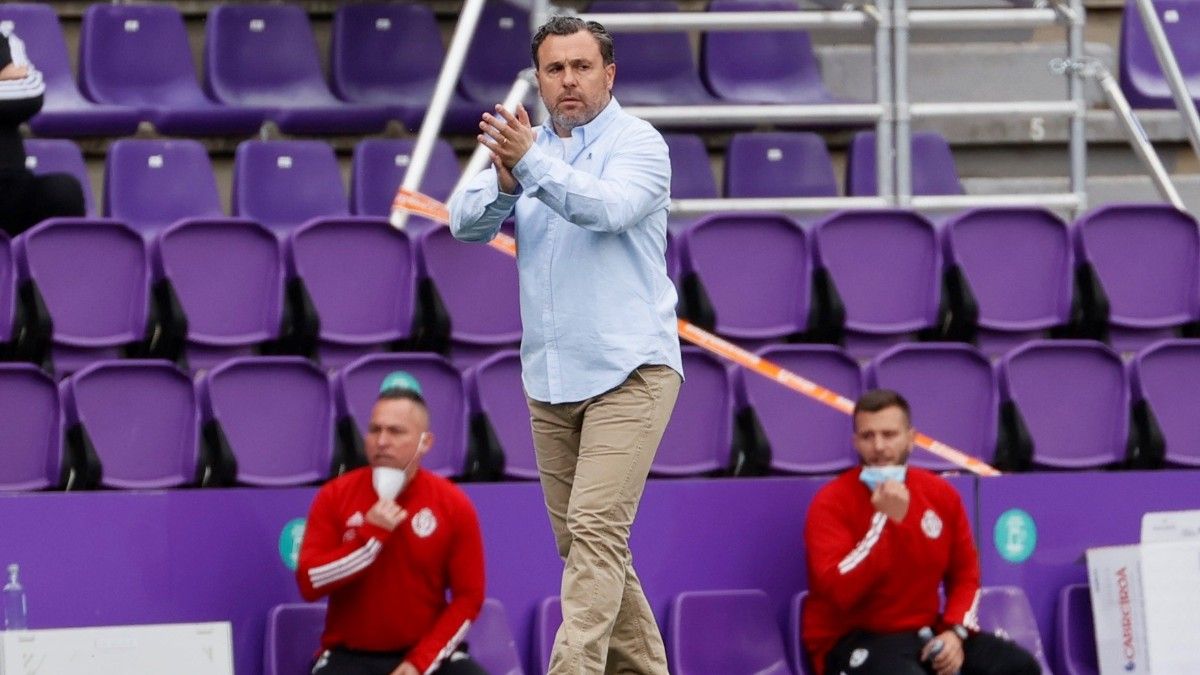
45	156
276	413
499	50
265	179
756	271
1019	265
952	390
729	632
65	111
886	266
805	436
228	276
545	628
150	184
796	652
699	436
265	57
138	56
762	66
141	419
1073	397
497	392
691	173
1076	643
390	54
380	165
779	164
293	638
1164	376
657	68
491	641
357	387
479	290
933	168
94	277
1147	260
1141	77
30	429
360	274
1004	610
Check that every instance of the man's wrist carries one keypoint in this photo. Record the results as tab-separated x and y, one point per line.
961	631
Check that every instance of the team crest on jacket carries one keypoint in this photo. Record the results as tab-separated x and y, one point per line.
424	523
858	657
931	525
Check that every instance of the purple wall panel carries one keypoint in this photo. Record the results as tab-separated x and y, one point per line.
1072	512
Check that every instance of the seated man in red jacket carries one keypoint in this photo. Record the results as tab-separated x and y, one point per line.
882	539
385	543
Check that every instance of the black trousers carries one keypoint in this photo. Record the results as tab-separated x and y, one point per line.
26	199
346	662
863	653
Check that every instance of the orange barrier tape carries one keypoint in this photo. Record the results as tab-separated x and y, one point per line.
422	205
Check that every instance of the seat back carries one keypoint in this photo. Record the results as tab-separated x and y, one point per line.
545	628
657	68
380	165
498	52
150	184
778	164
496	391
491	641
698	438
1006	611
265	176
385	52
1141	77
293	638
30	429
1164	375
1076	644
263	55
59	155
731	632
933	168
113	64
477	286
142	419
796	651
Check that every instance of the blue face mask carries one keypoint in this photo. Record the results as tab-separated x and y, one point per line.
873	476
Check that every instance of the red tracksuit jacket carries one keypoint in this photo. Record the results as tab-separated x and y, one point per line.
387	590
866	572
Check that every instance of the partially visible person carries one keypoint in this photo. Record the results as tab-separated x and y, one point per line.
26	199
882	540
385	543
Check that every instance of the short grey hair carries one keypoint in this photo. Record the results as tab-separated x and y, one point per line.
570	25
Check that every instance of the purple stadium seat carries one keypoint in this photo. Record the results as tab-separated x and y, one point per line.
293	638
8	290
390	54
778	164
933	169
1019	265
699	436
656	68
691	173
228	275
545	628
1164	375
1142	79
150	184
491	641
379	167
953	393
45	155
1074	398
479	289
94	276
805	436
1004	610
762	66
728	632
357	386
142	419
498	52
30	429
887	267
360	275
265	57
796	653
65	111
138	56
265	176
757	272
1147	258
496	391
277	414
1076	643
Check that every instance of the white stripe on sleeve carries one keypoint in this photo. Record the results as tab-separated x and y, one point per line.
864	547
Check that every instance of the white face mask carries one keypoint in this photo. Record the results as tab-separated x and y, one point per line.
388	481
874	476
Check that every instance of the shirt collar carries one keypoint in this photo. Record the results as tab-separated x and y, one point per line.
588	132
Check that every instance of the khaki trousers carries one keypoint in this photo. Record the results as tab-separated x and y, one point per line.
593	457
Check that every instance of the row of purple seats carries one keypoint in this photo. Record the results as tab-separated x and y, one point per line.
294	637
265	421
1011	274
735	632
1142	79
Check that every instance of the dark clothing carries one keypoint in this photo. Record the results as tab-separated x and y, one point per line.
863	653
345	662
